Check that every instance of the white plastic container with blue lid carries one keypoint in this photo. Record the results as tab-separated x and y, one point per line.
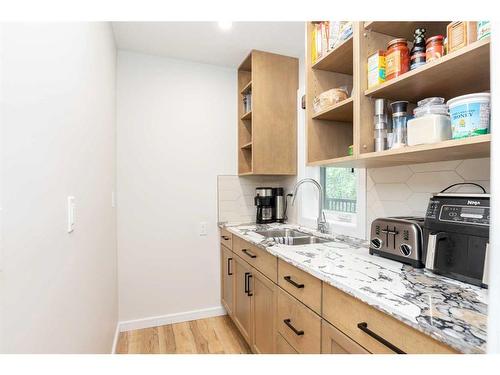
470	115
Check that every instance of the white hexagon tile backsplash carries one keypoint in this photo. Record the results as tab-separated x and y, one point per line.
405	190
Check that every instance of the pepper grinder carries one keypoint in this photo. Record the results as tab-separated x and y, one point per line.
380	121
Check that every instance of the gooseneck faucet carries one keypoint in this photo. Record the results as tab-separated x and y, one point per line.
322	223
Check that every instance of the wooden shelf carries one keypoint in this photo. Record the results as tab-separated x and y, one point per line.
246	146
338	112
338	60
406	29
247	116
247	88
341	161
245	173
461	72
455	149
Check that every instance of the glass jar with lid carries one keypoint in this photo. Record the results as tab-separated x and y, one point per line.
397	58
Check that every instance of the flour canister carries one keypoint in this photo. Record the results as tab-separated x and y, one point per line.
470	115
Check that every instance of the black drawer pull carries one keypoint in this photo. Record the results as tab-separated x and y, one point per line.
249	292
288	322
289	279
248	253
246	282
364	327
229	262
225	238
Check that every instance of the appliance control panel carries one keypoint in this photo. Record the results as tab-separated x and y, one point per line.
465	214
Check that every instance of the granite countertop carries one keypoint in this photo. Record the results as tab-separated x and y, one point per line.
450	311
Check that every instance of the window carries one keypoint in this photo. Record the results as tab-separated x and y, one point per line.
344	199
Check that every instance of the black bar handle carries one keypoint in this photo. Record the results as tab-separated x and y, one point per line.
246	282
225	238
229	262
248	253
289	279
364	327
288	322
249	293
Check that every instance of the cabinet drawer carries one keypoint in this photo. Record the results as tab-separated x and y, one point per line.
303	286
370	327
298	324
258	258
226	238
335	342
282	347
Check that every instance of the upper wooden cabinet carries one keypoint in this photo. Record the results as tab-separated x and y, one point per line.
350	122
267	132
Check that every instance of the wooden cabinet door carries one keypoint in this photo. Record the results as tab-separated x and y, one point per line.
242	303
227	279
282	347
263	313
335	342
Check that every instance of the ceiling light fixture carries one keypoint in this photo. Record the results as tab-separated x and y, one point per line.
225	25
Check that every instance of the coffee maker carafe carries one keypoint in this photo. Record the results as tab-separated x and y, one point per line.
264	201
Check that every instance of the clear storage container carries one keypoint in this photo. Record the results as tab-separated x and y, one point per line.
431	123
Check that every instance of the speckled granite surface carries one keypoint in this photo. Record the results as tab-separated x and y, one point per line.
452	312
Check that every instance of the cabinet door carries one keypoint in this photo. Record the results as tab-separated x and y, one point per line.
282	347
263	313
335	342
242	303
227	279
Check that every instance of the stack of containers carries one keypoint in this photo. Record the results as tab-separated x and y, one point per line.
431	123
381	125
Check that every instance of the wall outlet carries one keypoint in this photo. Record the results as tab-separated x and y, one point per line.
71	214
203	228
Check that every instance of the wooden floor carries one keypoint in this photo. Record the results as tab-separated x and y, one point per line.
216	335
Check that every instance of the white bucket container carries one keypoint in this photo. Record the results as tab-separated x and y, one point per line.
470	115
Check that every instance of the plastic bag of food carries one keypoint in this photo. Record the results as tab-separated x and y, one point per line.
329	98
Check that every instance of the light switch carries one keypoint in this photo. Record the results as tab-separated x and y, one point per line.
203	228
71	213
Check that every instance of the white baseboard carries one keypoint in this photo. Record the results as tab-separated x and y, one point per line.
161	320
115	339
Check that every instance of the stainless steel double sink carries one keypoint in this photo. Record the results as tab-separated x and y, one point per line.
291	237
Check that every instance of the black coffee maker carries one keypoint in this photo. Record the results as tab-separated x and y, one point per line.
265	202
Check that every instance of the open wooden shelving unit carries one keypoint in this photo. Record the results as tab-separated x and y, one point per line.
338	112
471	62
405	29
267	134
338	59
331	131
247	116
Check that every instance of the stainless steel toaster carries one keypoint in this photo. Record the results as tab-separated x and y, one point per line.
398	238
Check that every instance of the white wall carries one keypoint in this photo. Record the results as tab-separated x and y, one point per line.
59	290
176	133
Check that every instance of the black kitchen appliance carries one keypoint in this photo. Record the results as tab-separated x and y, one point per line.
456	236
270	205
264	201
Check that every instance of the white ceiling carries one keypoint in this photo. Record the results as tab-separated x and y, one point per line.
205	42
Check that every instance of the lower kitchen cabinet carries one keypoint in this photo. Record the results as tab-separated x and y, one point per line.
298	324
282	347
263	313
334	341
254	307
227	279
242	304
379	333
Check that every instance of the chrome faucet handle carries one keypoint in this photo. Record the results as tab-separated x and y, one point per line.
323	226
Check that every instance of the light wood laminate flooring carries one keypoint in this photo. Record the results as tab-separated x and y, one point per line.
216	335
